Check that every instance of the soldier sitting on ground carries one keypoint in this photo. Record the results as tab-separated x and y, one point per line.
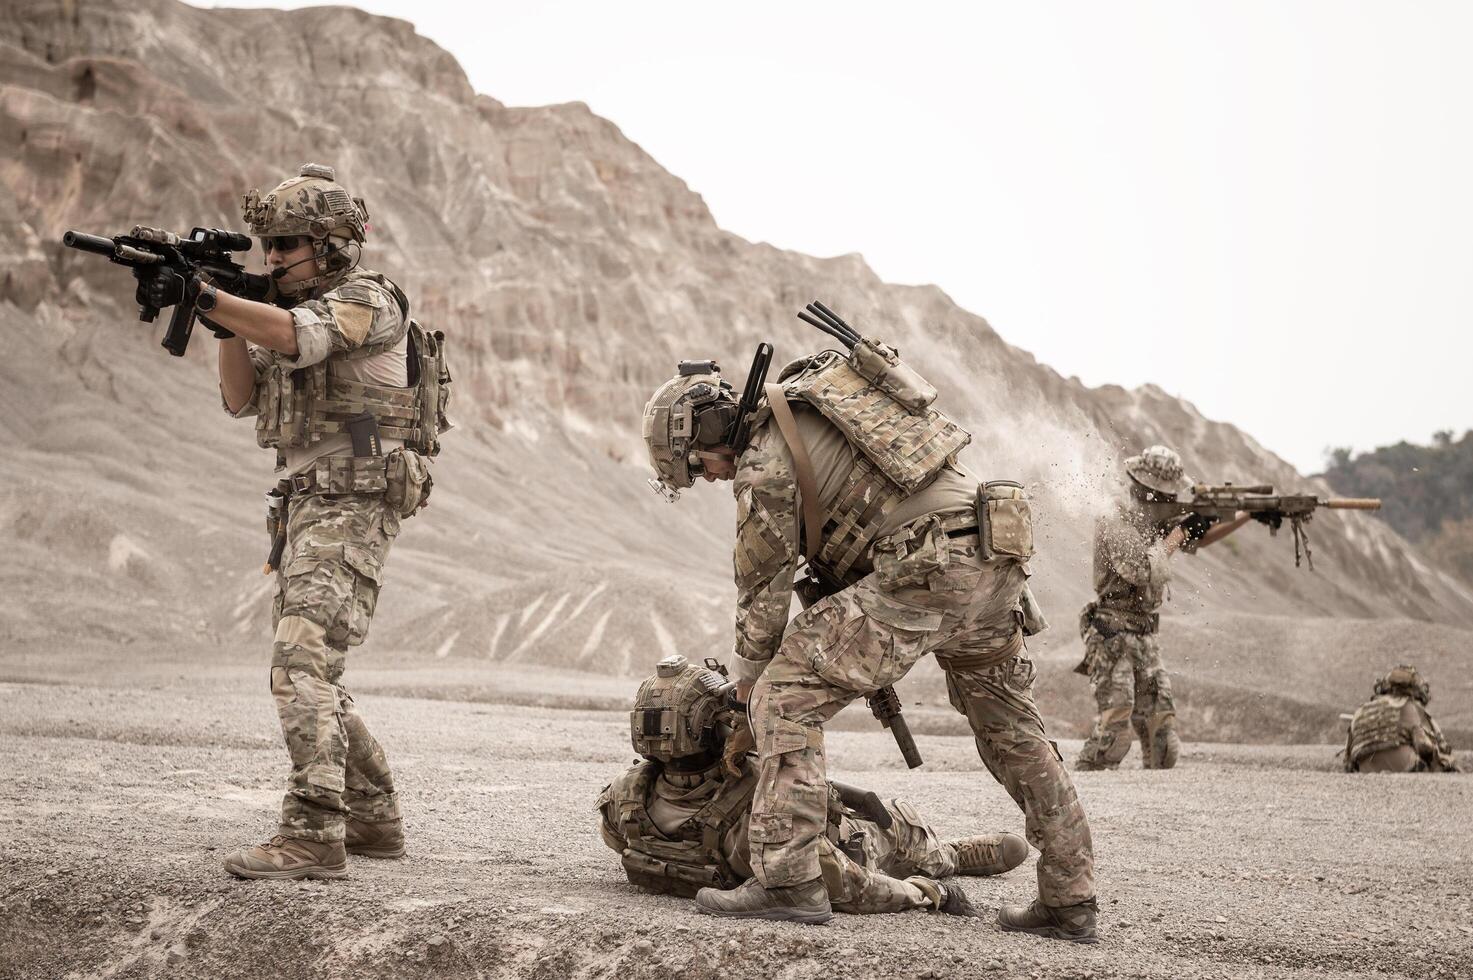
1393	732
679	819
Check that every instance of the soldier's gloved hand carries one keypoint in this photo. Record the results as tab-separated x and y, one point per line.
162	288
1195	526
738	744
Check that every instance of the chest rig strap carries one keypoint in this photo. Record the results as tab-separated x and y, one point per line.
782	414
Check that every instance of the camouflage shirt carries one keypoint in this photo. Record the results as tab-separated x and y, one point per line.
1131	567
358	311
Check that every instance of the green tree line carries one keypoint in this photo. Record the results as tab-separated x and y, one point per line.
1427	493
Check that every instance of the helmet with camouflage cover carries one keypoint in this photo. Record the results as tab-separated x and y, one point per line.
1404	680
313	204
688	414
1158	469
678	715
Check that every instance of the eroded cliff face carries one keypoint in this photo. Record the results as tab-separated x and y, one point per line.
570	272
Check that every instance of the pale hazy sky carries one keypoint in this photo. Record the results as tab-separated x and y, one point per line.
1265	208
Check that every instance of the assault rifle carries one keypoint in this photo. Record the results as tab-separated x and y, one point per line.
1221	502
166	267
884	703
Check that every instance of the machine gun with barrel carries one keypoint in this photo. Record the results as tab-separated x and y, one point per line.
169	270
1210	503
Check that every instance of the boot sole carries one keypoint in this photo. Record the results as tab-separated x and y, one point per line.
319	873
381	853
813	916
1054	932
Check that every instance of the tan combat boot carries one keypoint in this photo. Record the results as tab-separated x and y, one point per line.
988	854
1075	923
289	858
801	903
374	840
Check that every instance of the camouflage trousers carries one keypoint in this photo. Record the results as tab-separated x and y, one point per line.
326	591
884	870
1132	690
866	637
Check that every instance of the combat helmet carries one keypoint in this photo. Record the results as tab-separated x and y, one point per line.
687	415
679	714
1404	680
1158	469
312	203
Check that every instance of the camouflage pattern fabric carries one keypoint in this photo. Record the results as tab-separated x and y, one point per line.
1132	690
326	591
1130	569
909	848
1396	733
865	637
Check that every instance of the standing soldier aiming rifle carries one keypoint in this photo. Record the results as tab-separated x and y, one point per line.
1121	655
844	463
350	392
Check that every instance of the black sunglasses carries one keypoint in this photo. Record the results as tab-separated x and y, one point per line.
283	243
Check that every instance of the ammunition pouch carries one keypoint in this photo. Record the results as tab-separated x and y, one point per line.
407	481
681	874
1004	521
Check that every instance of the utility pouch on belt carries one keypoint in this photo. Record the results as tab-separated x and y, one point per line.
1004	521
408	478
911	559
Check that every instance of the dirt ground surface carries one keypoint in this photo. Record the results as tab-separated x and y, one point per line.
123	795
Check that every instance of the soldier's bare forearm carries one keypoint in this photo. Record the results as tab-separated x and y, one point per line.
237	374
260	323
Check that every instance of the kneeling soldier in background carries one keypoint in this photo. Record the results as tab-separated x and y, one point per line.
1393	732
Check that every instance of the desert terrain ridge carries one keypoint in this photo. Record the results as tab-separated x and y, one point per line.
571	271
1247	861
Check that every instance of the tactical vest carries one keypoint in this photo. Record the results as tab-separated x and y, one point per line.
883	409
1376	727
694	859
299	406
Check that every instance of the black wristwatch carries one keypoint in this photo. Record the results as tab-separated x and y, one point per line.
206	299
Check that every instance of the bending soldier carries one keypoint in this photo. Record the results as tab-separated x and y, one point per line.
851	445
1393	732
1121	655
680	818
346	389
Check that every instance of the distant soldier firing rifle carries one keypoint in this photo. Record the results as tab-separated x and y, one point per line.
1163	513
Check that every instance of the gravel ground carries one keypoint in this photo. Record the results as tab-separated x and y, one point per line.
124	796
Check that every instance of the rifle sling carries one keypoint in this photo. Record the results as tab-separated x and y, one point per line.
782	414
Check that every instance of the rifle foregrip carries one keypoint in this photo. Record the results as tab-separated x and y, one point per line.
1353	503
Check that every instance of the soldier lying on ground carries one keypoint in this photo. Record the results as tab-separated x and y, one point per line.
1393	732
679	819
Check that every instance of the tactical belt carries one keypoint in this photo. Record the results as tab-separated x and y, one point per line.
341	474
1108	622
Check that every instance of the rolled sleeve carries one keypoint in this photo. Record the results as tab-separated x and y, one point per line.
261	362
745	671
314	341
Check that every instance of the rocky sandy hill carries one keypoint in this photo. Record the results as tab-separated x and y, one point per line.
571	272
